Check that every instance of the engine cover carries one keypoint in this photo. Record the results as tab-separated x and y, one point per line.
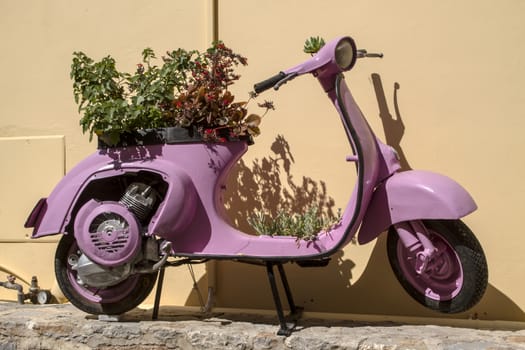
107	232
90	274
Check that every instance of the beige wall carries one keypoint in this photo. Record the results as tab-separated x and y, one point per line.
458	68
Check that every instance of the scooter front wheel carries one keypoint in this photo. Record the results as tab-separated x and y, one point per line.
455	278
113	300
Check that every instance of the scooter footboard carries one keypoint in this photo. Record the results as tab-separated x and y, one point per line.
414	195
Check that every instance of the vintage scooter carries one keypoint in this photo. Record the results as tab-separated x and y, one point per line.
128	212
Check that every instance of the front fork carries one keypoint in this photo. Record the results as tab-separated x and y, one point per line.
415	238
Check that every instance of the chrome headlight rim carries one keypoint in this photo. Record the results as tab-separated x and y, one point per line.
345	53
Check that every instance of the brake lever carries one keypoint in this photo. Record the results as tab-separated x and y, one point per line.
362	53
286	79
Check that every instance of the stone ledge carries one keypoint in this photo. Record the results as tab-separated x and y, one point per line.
64	327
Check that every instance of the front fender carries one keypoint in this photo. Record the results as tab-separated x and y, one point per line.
414	195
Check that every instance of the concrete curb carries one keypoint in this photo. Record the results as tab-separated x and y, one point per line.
64	327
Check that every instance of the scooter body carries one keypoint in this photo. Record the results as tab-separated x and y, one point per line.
173	193
191	214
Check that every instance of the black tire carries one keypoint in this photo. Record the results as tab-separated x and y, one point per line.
463	250
113	300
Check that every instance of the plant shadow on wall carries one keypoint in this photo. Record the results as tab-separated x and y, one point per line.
268	186
261	188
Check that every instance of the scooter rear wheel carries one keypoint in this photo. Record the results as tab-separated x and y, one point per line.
113	300
454	280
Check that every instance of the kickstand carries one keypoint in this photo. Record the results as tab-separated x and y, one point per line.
295	311
158	293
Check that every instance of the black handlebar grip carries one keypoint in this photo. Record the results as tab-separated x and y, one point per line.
268	83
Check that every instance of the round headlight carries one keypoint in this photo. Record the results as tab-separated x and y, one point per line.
345	53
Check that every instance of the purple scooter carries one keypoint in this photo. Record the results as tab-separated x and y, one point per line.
125	210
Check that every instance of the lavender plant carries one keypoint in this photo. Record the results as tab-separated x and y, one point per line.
306	225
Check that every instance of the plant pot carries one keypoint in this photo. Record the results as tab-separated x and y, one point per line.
168	135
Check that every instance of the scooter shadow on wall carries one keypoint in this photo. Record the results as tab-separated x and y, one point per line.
494	305
394	128
268	185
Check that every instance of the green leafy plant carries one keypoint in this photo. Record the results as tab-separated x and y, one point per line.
306	225
188	89
313	44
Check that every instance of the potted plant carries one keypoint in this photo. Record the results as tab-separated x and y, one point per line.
185	98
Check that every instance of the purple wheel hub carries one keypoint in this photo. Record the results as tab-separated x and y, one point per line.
107	232
442	277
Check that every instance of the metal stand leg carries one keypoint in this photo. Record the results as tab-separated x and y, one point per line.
295	312
158	293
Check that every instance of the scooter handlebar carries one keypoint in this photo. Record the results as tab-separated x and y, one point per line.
276	81
268	83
